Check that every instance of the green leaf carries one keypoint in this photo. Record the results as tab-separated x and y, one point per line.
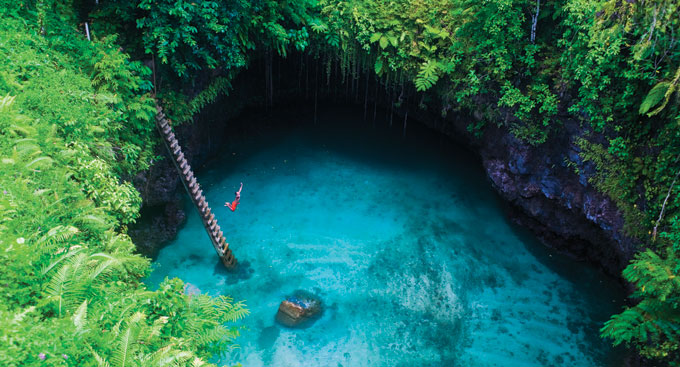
393	40
383	42
375	37
378	66
654	97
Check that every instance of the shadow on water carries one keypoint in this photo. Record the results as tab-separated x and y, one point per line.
243	271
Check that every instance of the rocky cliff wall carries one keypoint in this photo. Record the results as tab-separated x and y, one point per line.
546	195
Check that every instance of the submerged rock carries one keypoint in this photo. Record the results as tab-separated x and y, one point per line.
299	310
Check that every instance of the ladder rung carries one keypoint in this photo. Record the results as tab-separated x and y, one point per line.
173	144
182	164
213	225
176	150
211	218
180	157
186	170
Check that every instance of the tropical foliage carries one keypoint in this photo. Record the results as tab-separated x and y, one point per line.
76	120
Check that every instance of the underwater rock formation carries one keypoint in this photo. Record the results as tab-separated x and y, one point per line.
299	310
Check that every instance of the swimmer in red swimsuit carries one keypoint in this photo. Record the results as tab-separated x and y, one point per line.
236	201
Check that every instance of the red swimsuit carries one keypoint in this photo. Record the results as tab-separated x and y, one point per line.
233	205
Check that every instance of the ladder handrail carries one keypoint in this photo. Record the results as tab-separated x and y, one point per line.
188	179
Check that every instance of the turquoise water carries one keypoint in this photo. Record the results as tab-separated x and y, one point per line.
405	242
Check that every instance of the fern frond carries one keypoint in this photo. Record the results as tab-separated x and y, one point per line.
57	286
427	76
122	353
62	258
6	102
94	221
80	316
101	362
58	234
167	356
44	161
20	316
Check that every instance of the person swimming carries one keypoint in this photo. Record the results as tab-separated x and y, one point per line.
236	201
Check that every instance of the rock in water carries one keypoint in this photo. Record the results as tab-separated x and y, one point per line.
299	310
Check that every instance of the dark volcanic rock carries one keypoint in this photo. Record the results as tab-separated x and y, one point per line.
546	195
299	310
157	225
561	207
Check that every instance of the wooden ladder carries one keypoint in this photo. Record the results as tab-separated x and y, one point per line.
194	190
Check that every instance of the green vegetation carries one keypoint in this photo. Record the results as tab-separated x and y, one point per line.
76	120
75	117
